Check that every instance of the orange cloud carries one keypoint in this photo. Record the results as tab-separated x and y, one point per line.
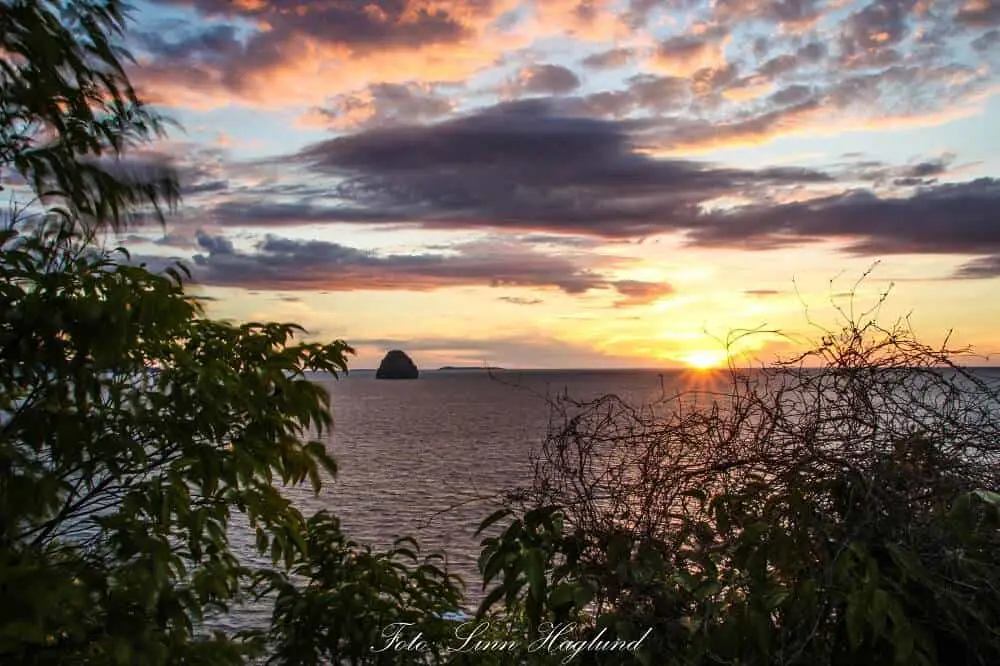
292	63
685	55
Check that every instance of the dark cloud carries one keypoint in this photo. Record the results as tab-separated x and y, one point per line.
749	127
609	59
573	183
608	104
515	166
373	23
787	12
288	264
211	43
385	104
923	172
792	95
785	63
988	42
658	93
761	293
683	47
215	57
216	245
761	46
782	64
638	12
957	218
980	268
547	79
979	13
794	12
711	80
875	30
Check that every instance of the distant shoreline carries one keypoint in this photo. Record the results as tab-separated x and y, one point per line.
671	370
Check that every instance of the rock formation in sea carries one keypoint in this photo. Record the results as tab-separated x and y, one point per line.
397	365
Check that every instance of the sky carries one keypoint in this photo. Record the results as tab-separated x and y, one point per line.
581	183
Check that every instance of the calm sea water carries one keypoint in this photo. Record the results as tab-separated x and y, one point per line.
424	457
409	450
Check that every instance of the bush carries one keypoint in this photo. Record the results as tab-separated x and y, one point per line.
353	605
840	507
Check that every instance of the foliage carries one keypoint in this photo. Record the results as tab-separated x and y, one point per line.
351	601
837	508
133	430
69	115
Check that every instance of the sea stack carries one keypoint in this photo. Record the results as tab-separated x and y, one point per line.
397	365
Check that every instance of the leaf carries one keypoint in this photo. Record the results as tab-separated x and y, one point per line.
990	497
489	600
491	519
564	594
855	618
534	568
879	611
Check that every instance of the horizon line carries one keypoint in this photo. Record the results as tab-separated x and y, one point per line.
679	368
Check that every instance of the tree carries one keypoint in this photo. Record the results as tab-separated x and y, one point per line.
69	115
132	428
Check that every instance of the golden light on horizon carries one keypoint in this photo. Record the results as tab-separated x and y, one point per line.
704	359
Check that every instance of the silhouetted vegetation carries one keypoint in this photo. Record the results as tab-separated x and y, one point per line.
843	513
840	507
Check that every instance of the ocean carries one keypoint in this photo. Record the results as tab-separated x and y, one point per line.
425	457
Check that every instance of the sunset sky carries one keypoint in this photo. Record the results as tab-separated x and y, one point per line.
567	183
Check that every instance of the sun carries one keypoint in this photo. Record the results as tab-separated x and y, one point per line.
704	359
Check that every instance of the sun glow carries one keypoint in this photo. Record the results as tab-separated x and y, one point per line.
704	359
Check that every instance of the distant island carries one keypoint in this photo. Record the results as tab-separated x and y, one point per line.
397	365
467	368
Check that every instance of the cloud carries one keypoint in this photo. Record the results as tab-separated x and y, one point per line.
522	166
379	105
682	55
520	300
786	63
216	245
374	24
987	42
979	13
564	181
610	59
792	14
535	349
951	218
545	79
651	93
866	35
712	80
287	264
278	53
658	93
636	292
980	268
